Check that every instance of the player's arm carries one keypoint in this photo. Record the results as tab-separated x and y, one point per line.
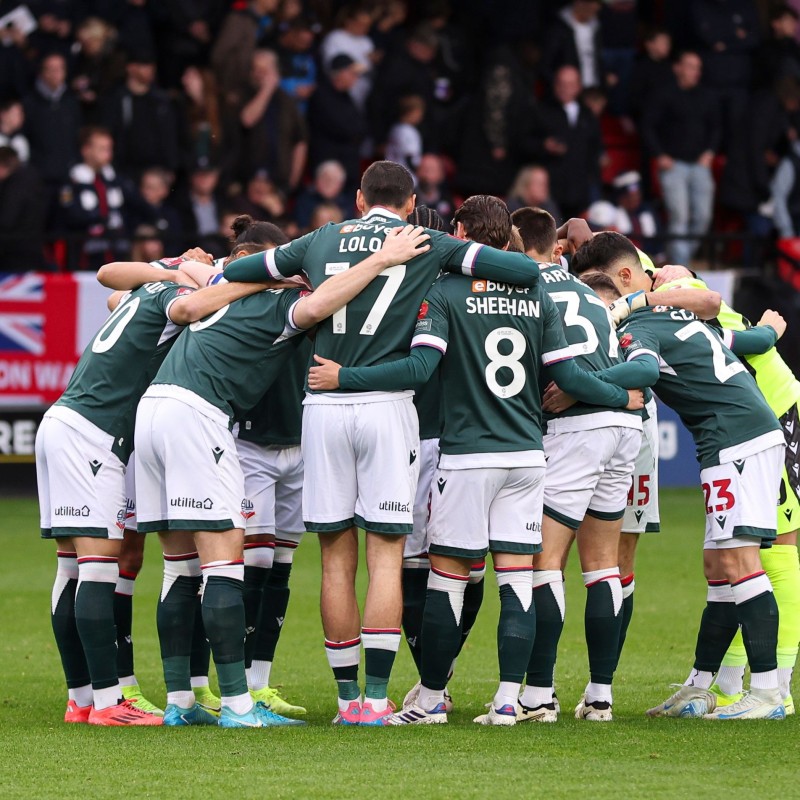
279	262
114	299
573	234
400	246
640	371
481	261
410	372
704	303
190	307
200	272
127	275
758	339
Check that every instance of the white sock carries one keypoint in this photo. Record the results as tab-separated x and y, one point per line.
345	704
258	677
700	679
128	680
259	554
239	704
223	569
507	694
378	703
598	692
785	680
105	698
81	695
181	699
730	679
533	696
199	682
429	698
764	680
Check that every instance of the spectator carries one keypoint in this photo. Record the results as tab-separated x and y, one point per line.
56	22
12	123
404	145
653	68
150	206
619	31
386	34
262	199
532	189
727	32
52	122
200	203
786	194
21	214
568	139
243	30
133	22
325	213
338	126
350	37
142	120
14	70
681	127
779	56
634	217
201	123
575	40
147	245
97	67
432	188
92	203
328	187
298	66
275	137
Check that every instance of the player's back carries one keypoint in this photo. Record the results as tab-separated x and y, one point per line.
490	374
119	362
700	378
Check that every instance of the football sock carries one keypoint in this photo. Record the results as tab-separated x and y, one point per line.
201	650
274	603
603	622
223	618
343	658
730	680
175	622
94	617
415	588
123	619
758	615
718	626
473	599
782	566
68	640
548	594
380	649
516	629
628	587
533	696
257	565
441	626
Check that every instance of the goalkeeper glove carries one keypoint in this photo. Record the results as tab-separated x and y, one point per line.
622	308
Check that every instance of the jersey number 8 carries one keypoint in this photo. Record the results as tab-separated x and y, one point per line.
510	361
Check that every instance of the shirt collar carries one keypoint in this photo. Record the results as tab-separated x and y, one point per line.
383	212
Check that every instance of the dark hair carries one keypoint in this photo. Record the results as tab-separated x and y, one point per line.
254	235
679	54
87	133
601	284
486	219
515	244
537	229
602	252
9	158
385	183
782	10
429	218
652	31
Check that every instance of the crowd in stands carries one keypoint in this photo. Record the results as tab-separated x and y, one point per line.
147	125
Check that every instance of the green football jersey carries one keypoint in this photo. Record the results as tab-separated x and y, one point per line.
119	363
496	341
232	357
701	379
277	419
588	329
377	325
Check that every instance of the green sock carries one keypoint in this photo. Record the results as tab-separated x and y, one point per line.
718	626
94	618
223	617
516	628
175	618
123	619
65	630
757	613
602	622
255	581
274	603
200	660
441	627
380	649
473	599
548	594
628	586
415	587
343	658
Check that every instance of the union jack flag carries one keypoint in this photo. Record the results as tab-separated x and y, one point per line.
22	314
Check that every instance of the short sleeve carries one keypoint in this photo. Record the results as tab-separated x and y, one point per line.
172	292
433	326
554	342
635	341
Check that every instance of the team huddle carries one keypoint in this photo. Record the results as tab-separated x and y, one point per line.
451	395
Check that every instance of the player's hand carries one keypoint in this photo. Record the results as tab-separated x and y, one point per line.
669	273
774	320
635	400
578	233
554	401
325	377
198	254
622	308
403	244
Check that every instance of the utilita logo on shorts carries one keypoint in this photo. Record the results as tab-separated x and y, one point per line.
393	505
72	511
536	527
191	502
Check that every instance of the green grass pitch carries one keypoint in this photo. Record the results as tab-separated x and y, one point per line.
40	757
